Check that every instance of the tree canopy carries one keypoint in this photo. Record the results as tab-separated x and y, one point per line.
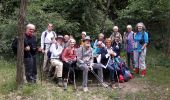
92	16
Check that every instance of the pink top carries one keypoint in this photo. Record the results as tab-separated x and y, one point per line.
69	54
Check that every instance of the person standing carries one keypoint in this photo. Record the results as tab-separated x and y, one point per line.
66	40
140	47
128	43
116	34
83	35
47	38
30	49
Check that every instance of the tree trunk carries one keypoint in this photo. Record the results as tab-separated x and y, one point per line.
20	48
105	17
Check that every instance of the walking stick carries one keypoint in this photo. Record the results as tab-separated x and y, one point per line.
40	66
98	78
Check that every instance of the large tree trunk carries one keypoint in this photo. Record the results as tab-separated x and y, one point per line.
20	48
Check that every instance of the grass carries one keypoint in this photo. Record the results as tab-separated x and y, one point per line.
157	84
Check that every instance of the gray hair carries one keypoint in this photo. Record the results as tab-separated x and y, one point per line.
30	26
143	26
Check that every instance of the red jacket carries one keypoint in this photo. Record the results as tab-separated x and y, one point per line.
69	54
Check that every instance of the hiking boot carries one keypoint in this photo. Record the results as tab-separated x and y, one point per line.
136	70
65	84
143	73
60	82
85	89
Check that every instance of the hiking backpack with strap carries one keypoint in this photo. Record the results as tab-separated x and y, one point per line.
55	35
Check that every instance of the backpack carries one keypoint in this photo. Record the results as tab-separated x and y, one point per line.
49	52
46	35
14	45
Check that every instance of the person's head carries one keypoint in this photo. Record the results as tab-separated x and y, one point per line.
83	35
72	42
66	38
30	28
99	44
50	27
101	36
115	29
60	39
140	27
87	41
129	28
108	42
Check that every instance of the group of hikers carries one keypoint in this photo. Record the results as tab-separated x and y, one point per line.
62	52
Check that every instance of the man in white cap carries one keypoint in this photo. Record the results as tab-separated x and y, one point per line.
83	35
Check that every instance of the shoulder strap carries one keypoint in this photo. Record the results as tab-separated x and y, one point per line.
55	35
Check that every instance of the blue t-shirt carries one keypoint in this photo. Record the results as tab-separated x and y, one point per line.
137	38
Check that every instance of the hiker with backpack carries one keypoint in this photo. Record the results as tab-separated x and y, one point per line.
128	39
56	50
69	59
47	38
140	47
115	34
30	48
85	62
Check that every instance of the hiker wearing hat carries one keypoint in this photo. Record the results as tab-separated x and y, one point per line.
128	45
140	44
56	50
69	59
116	34
47	38
85	62
83	35
100	38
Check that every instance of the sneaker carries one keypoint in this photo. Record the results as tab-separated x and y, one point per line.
85	89
65	84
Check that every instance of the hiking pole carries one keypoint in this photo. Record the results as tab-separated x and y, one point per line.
98	78
117	79
40	66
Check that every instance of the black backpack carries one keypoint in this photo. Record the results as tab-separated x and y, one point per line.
142	40
14	45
